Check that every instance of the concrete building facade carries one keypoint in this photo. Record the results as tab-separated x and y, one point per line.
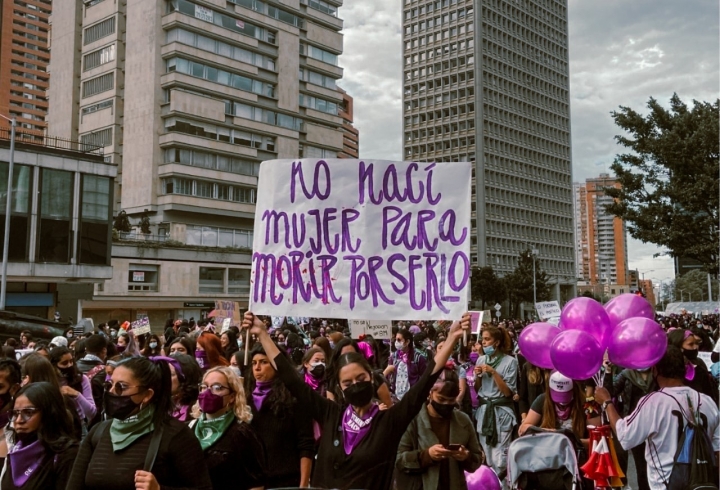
187	98
487	82
602	238
60	224
24	57
351	135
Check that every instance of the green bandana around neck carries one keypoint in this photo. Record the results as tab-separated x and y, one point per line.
494	363
124	432
209	432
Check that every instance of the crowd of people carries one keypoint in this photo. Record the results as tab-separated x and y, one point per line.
300	404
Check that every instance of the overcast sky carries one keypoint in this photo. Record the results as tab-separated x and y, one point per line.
621	53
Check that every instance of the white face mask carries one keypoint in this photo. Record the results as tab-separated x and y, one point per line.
399	345
153	345
236	370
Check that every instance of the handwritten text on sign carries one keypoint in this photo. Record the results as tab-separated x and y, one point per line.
378	329
370	239
548	309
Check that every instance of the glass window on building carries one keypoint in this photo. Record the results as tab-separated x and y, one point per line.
211	280
94	236
143	277
19	210
239	281
54	236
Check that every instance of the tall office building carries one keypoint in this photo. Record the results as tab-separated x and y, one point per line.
24	57
187	97
601	237
351	135
487	82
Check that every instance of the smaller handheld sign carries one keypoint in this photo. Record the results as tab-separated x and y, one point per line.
378	329
477	318
548	309
141	327
225	325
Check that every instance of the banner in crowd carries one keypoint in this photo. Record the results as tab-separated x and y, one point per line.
141	326
548	309
380	330
365	240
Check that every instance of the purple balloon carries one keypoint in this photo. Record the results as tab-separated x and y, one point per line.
637	343
586	315
484	478
534	343
628	306
576	354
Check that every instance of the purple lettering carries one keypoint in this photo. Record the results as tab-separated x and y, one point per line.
465	269
430	198
296	174
448	218
365	176
348	216
397	275
391	177
276	220
375	263
413	265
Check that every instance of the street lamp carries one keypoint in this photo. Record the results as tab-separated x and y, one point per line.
681	295
8	205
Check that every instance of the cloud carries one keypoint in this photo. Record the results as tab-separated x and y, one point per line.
621	54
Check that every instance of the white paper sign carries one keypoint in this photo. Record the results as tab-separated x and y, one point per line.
203	13
705	356
379	330
138	276
548	309
366	240
225	325
141	327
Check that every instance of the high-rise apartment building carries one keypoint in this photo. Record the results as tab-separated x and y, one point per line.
24	57
351	135
487	82
187	97
601	237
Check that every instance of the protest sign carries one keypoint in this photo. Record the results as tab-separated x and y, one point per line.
379	330
548	309
227	309
705	356
141	326
477	318
225	325
367	239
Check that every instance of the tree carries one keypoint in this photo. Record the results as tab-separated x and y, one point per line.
692	285
669	193
486	286
519	283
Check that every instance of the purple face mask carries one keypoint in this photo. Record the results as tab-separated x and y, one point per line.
562	411
473	357
210	402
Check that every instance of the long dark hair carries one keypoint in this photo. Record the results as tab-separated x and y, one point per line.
191	378
39	370
56	430
232	347
154	375
185	341
280	401
331	368
74	377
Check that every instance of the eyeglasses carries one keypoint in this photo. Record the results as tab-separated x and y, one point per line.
119	388
25	414
215	389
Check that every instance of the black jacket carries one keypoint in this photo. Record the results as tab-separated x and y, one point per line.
237	459
286	438
371	464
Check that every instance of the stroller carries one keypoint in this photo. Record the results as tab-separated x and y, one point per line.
544	460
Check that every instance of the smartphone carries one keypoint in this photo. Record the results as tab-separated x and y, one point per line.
453	447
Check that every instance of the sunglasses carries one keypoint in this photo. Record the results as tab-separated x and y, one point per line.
25	414
119	388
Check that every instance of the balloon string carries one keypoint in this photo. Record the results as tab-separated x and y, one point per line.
599	378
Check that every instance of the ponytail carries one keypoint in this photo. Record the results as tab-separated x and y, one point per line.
155	375
500	335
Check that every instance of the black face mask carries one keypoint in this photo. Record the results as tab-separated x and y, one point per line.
68	372
690	355
5	398
445	411
118	406
359	394
318	371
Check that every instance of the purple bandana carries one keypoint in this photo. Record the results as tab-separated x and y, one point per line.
355	428
202	359
261	391
25	460
312	381
689	371
181	413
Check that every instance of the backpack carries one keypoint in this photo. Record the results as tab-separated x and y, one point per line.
94	370
695	467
